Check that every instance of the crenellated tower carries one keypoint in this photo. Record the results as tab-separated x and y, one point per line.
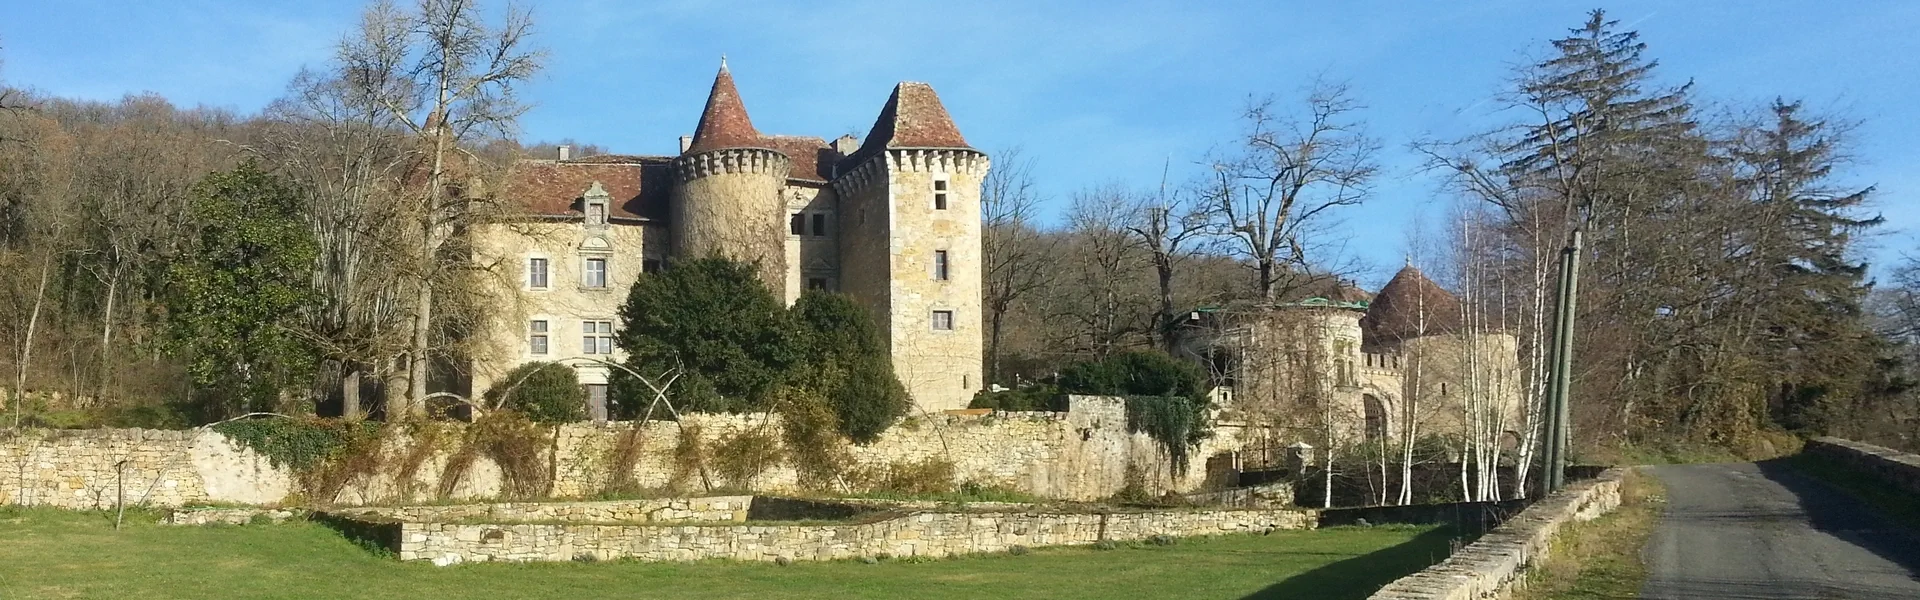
910	249
727	195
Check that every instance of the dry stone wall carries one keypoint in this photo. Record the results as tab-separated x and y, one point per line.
664	510
1085	453
921	534
1490	566
1898	468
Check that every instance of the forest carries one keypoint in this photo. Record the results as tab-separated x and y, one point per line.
168	266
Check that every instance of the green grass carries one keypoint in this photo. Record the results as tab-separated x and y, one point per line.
1600	559
47	553
1896	504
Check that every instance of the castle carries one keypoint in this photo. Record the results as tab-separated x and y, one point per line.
892	220
1371	369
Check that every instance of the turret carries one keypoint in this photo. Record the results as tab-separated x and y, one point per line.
726	200
910	244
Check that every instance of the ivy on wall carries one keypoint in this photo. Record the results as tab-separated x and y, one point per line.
299	444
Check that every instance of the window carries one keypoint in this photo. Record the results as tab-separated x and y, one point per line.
596	213
596	337
817	283
940	265
819	224
650	265
596	273
943	320
537	273
537	336
798	224
939	194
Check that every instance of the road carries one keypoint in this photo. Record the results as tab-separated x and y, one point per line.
1745	530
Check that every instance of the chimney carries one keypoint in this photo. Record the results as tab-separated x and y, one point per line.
566	152
846	145
686	141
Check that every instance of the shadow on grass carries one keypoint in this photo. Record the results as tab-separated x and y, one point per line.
1361	576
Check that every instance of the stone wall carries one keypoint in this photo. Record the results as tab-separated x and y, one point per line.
1085	453
1898	468
921	534
91	469
664	510
1489	567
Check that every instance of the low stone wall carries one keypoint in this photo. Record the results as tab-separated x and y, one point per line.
1489	567
918	534
1084	453
1898	468
665	510
229	516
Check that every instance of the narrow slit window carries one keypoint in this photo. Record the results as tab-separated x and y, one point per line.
939	194
819	225
940	265
537	336
537	273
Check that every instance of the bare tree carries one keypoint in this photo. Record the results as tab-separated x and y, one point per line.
1168	225
1286	175
1102	266
1020	257
448	79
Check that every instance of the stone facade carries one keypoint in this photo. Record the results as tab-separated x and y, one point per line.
937	534
1289	365
1492	565
1085	453
1898	468
893	221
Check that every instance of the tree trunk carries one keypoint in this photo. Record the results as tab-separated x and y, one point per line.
350	392
26	344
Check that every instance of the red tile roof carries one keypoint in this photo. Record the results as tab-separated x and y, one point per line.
639	185
1411	306
812	157
724	124
912	118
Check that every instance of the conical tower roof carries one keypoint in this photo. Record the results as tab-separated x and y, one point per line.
912	118
724	124
1411	306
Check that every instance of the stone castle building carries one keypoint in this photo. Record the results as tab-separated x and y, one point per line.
1375	366
892	220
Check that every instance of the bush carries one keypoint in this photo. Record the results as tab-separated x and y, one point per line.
545	392
1038	397
1135	373
847	363
714	319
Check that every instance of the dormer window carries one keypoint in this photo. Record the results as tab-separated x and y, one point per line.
594	205
939	194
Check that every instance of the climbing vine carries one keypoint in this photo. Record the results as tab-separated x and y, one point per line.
298	444
1177	422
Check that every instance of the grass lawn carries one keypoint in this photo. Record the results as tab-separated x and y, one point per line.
1600	559
47	553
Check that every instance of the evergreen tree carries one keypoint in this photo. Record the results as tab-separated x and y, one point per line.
1807	288
546	392
712	319
848	365
234	298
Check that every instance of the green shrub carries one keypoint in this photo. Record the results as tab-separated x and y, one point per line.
545	392
1038	397
847	364
713	319
1135	373
299	444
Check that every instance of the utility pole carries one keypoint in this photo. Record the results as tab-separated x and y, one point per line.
1562	367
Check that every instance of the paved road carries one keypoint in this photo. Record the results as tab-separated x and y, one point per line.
1744	530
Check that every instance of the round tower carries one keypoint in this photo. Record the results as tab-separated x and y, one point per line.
726	198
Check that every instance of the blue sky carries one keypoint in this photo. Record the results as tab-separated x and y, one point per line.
1094	92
